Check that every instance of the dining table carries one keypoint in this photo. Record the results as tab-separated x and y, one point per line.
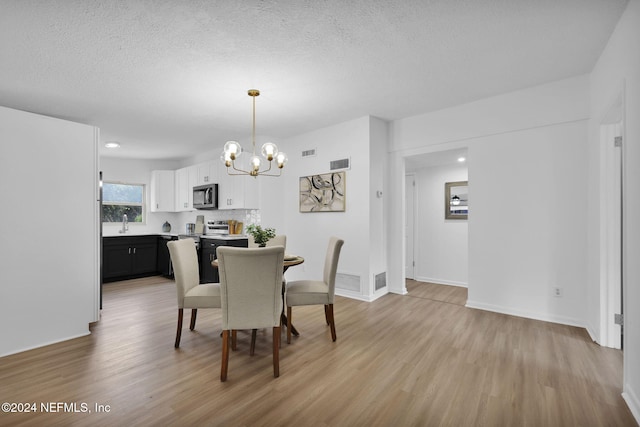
289	261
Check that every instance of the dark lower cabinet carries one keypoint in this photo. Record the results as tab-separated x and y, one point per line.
129	257
208	247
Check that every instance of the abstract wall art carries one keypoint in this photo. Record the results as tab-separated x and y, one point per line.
323	193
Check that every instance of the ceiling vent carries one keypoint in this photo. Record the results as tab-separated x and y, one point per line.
309	153
340	164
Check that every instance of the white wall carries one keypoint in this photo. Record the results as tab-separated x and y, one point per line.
378	175
527	227
530	146
441	246
618	70
308	233
48	222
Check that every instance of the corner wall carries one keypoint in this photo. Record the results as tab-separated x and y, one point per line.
528	148
527	224
49	228
361	225
618	70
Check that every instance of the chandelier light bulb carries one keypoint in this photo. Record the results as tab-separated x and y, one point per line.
269	150
255	163
281	159
225	157
233	148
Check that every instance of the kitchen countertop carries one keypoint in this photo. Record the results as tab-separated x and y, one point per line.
139	234
202	236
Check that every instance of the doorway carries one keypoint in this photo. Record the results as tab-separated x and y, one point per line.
436	248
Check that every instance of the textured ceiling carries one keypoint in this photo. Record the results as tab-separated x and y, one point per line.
168	79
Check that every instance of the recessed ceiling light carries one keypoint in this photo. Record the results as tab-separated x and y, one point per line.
461	159
112	144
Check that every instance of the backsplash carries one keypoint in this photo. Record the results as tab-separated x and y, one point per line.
179	220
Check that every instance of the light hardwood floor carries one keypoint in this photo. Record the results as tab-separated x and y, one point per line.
422	359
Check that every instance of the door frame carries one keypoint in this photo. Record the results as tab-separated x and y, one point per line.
410	221
612	223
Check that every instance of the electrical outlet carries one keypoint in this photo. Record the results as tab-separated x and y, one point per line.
557	292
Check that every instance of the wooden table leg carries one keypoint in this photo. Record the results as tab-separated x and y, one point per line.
283	317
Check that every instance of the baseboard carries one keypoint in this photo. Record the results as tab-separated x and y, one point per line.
440	281
631	398
546	317
45	344
592	334
353	295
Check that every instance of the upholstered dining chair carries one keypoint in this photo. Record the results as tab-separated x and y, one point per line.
191	294
279	240
251	296
316	292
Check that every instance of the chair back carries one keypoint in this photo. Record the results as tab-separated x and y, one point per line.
331	265
184	258
250	286
279	240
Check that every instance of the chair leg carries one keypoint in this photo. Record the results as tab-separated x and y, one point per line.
234	340
225	356
252	349
194	313
289	325
332	322
326	314
276	351
179	331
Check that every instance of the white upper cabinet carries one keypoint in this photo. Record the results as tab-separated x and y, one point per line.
186	179
237	191
207	173
172	191
162	191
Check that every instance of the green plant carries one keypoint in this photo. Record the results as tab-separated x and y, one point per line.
261	235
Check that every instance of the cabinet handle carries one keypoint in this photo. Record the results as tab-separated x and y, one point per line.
134	250
129	251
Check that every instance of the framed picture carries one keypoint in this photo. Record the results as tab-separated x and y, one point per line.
456	200
323	193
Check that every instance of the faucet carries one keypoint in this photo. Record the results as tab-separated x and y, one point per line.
125	223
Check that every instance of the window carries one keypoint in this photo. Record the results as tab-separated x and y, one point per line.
121	199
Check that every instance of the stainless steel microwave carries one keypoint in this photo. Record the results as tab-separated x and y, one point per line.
205	196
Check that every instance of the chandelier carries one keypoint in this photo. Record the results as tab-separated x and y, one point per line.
233	150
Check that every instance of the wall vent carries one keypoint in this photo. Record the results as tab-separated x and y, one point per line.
309	153
348	282
380	281
340	164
